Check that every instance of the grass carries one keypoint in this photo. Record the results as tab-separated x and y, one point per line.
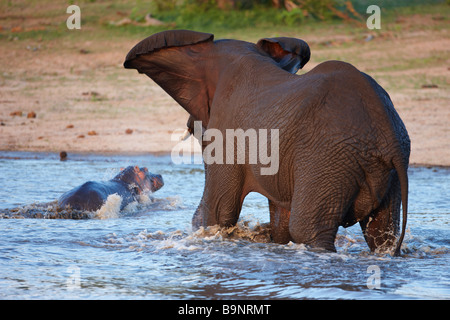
96	18
400	64
44	22
406	54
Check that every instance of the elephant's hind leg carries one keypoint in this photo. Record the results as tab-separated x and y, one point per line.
319	205
312	228
279	223
381	227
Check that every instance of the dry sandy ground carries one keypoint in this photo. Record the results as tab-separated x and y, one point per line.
77	88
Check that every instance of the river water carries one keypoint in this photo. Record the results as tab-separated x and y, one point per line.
150	252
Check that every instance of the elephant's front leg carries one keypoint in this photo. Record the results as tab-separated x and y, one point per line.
279	223
222	198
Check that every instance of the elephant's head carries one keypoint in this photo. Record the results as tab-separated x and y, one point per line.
291	54
188	64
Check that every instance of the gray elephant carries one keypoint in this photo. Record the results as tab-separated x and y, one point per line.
343	150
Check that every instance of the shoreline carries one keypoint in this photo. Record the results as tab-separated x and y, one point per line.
87	103
103	155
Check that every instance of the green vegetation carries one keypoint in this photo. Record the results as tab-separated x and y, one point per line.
109	22
231	15
222	17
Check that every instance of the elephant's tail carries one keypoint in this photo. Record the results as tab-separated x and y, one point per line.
403	177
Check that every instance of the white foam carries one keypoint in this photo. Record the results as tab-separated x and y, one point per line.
131	207
144	198
111	208
242	230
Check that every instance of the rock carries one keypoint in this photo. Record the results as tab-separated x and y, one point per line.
31	115
16	29
122	22
369	38
91	94
129	131
31	48
92	133
150	21
16	113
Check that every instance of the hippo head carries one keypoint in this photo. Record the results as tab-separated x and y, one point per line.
141	179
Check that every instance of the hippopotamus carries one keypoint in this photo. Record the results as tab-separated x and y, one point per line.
128	184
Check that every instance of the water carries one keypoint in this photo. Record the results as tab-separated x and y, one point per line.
150	251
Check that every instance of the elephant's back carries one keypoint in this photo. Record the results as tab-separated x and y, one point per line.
343	98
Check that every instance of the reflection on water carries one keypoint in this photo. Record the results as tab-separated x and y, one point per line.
149	251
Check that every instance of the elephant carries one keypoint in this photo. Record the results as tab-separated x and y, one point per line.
343	150
128	183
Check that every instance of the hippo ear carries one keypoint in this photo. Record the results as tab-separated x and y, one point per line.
291	54
179	61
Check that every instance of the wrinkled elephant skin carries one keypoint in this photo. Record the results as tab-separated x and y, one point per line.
343	149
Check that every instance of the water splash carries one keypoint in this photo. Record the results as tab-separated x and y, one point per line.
111	208
49	210
243	230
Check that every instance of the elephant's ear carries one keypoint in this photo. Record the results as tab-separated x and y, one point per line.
163	40
175	60
291	54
